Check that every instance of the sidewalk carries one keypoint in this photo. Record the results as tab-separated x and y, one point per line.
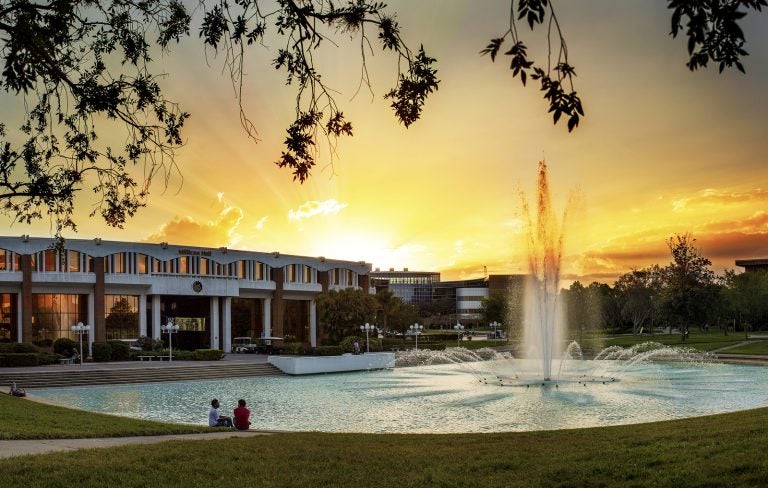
42	446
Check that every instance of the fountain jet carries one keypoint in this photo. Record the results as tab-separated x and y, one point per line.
543	324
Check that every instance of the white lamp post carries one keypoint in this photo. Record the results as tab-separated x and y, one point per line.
81	329
495	326
416	329
367	328
458	328
169	329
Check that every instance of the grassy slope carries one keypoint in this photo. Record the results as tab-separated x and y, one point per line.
723	450
25	419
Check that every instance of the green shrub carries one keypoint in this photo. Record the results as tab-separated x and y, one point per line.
207	355
66	347
12	359
348	344
121	351
149	344
328	351
102	352
294	348
44	358
17	347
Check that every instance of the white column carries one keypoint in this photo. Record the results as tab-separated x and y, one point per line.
267	316
142	315
214	322
91	321
226	316
19	328
156	316
313	324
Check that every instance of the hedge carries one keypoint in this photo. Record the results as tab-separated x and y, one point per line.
294	348
208	355
121	351
328	351
17	347
65	346
102	352
18	359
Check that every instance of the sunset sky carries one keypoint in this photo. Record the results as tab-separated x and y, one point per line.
661	151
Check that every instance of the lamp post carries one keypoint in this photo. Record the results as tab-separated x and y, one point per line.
495	326
458	328
416	329
367	328
81	329
169	329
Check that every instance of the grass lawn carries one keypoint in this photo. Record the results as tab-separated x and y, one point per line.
698	340
722	450
25	419
754	347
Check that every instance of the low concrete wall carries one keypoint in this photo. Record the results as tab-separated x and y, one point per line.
332	364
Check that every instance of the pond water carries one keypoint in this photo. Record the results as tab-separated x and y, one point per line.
439	399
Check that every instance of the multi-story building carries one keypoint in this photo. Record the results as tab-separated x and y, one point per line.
750	265
126	290
414	287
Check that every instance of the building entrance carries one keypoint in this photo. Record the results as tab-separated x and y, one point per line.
193	316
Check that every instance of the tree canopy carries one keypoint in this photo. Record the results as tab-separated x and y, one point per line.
94	116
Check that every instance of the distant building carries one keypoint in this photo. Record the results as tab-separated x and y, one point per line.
463	297
414	287
753	264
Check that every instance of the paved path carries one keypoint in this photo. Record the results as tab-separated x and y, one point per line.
41	446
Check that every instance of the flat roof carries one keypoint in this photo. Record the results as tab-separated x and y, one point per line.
752	262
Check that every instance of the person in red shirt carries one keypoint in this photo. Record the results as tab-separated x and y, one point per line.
241	416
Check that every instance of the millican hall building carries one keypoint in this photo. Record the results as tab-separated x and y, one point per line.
126	290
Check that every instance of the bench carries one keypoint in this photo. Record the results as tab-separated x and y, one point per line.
66	360
153	358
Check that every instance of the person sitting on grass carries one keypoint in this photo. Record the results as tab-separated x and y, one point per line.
242	415
215	419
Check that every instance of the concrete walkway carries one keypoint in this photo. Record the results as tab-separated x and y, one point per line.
42	446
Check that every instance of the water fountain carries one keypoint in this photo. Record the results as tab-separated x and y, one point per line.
543	324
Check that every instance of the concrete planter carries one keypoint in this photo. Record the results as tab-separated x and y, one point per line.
298	365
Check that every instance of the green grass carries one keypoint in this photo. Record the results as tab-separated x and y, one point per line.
754	347
697	340
25	419
722	450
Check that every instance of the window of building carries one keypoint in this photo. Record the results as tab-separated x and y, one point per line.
259	271
54	314
119	263
49	260
4	261
74	261
307	274
121	317
184	265
142	265
204	266
241	269
7	316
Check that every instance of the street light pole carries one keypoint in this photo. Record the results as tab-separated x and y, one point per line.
169	329
416	329
367	328
458	328
81	329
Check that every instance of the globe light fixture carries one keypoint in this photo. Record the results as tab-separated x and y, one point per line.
81	329
416	329
367	328
169	329
459	329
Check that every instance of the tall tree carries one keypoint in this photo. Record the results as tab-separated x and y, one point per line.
747	297
341	313
636	291
688	282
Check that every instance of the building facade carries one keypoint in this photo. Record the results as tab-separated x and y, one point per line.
413	287
126	290
751	265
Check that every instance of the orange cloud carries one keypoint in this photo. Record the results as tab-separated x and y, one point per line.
214	233
711	196
312	208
